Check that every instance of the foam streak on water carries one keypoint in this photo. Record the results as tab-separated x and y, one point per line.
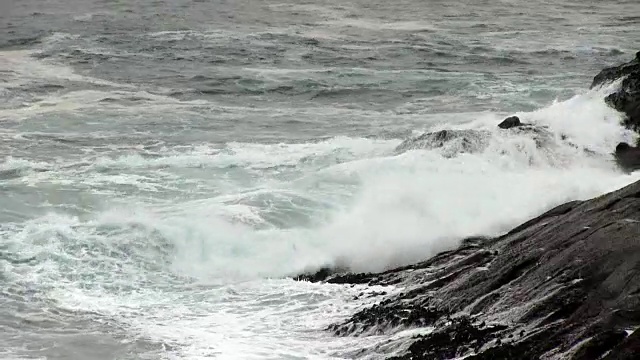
161	175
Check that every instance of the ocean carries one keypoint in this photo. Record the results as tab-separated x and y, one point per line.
167	165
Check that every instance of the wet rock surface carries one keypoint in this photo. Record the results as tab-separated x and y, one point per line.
454	142
565	284
626	98
627	156
457	141
510	122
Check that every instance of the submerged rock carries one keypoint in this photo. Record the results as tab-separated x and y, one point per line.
457	141
540	134
625	99
565	284
454	142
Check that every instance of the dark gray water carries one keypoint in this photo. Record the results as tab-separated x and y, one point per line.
160	159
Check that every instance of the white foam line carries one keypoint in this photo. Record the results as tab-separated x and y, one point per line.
27	69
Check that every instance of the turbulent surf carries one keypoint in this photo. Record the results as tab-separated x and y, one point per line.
167	166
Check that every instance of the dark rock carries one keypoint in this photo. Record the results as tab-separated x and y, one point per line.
510	122
329	274
627	156
315	276
514	122
521	350
628	349
379	319
600	344
567	284
341	277
626	98
456	339
614	73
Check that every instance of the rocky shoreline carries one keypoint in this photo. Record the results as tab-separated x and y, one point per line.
626	98
564	285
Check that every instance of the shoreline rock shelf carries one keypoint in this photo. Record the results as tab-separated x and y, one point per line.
564	285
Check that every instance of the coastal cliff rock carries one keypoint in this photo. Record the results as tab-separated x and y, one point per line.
626	99
565	284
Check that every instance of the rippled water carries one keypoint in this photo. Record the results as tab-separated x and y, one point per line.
164	165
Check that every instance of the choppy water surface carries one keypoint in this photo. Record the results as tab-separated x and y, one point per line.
165	164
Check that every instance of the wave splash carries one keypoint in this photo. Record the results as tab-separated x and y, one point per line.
359	203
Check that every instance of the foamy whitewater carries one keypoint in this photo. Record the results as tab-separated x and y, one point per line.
159	183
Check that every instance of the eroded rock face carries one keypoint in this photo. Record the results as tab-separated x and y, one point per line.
627	98
564	284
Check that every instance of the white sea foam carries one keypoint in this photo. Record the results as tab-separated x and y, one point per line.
190	273
21	68
184	242
118	275
406	207
354	202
